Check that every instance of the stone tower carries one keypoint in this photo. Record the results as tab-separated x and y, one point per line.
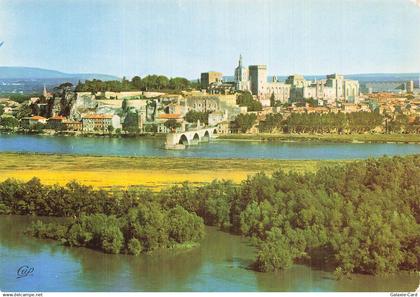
241	77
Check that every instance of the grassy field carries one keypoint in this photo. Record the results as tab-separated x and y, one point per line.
154	173
377	138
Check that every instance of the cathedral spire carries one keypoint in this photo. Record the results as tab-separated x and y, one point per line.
240	60
45	91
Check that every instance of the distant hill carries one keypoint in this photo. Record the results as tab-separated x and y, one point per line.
27	73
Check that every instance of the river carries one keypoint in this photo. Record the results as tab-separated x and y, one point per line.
153	146
220	263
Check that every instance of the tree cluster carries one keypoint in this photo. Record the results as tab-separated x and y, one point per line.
148	83
193	116
246	99
143	229
244	122
357	122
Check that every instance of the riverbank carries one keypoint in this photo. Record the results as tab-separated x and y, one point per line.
347	138
303	137
152	172
50	132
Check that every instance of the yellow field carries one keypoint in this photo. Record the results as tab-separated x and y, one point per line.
154	173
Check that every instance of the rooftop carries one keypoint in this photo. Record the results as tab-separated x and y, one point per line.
38	118
57	118
97	116
170	116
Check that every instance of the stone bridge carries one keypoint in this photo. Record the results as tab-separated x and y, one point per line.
179	140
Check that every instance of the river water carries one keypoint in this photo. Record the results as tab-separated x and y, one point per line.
150	146
220	263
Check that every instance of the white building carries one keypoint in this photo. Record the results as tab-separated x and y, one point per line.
334	88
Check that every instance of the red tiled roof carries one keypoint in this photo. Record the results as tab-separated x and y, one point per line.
57	118
169	116
38	118
97	116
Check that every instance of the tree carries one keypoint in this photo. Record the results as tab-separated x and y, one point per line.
134	246
172	124
271	122
1	109
136	82
193	116
272	100
246	99
24	111
9	123
131	121
112	239
244	122
37	127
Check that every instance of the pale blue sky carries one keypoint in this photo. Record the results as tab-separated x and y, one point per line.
186	37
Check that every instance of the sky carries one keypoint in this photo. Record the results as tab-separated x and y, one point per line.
187	37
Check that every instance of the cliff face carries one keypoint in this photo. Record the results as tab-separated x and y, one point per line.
83	103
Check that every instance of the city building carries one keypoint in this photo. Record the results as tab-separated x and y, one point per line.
223	88
258	80
254	79
210	77
409	86
164	117
334	88
55	122
217	117
100	122
28	122
72	125
241	77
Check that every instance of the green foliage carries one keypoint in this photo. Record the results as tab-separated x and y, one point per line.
358	122
19	98
273	121
112	239
246	99
24	111
37	127
184	226
172	124
193	116
274	254
131	121
244	122
9	123
151	128
148	83
134	246
145	228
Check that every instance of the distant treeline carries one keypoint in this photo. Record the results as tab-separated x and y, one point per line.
148	83
355	122
360	217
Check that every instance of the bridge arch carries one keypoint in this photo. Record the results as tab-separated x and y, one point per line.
183	140
206	136
215	131
196	137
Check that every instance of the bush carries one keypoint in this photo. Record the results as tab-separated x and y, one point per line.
112	239
134	246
